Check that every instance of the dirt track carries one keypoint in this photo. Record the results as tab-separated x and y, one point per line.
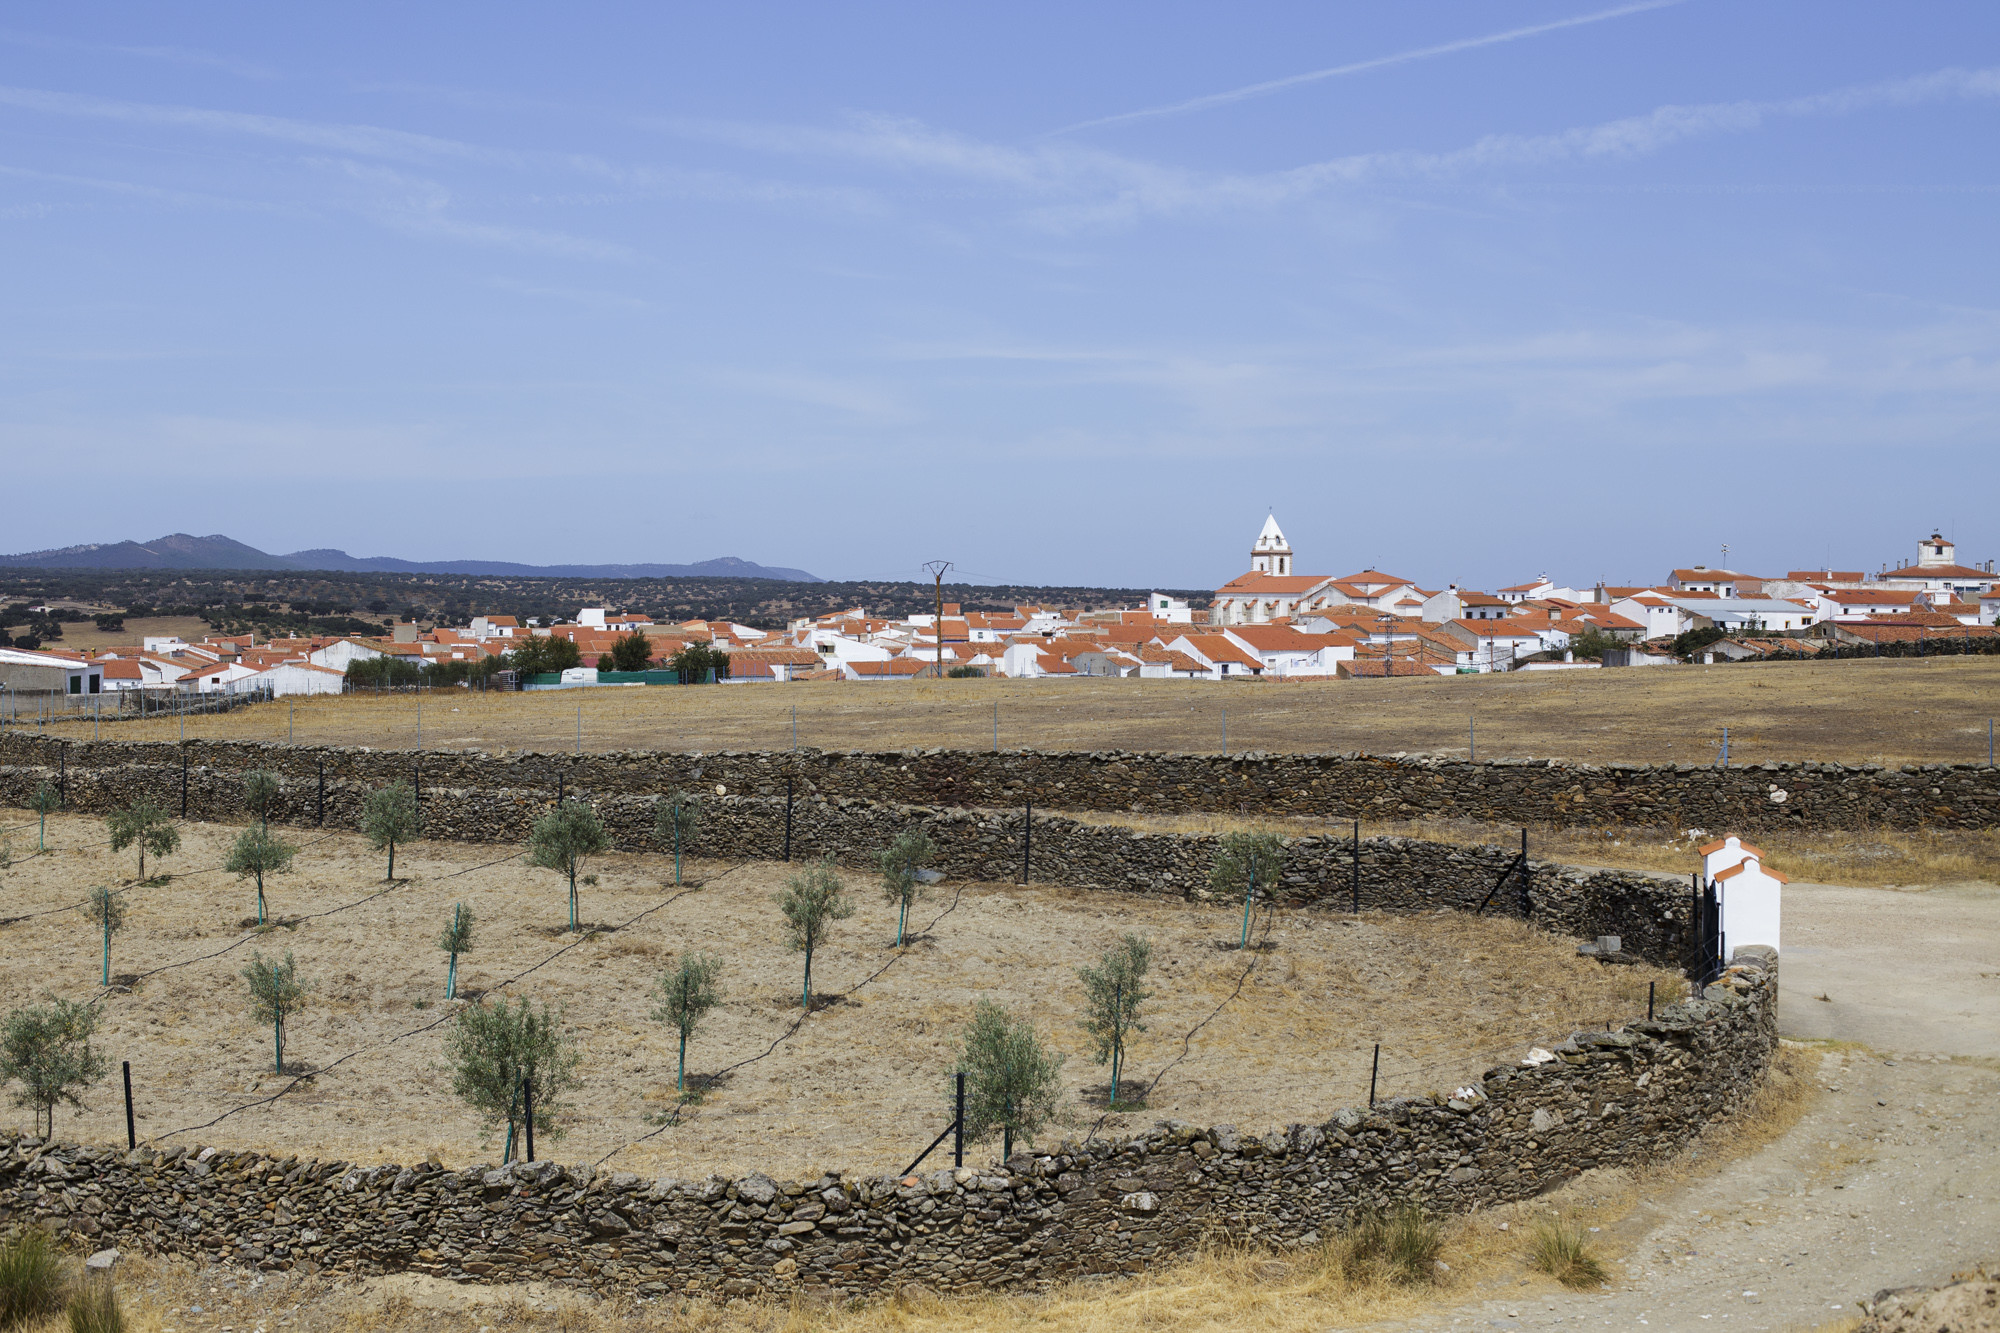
1891	1179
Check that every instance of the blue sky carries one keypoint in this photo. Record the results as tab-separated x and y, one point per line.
1469	291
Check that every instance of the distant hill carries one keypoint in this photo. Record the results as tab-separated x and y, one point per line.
180	551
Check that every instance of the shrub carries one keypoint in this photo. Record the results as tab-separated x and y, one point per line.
1013	1083
94	1309
964	673
46	1049
1690	642
1562	1250
561	839
1112	993
493	1049
677	820
260	793
1245	859
33	1277
1590	645
389	816
276	993
257	852
812	901
901	861
694	663
148	826
687	994
107	909
46	800
457	939
1401	1247
545	652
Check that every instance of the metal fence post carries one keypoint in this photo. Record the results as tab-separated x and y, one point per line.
1027	838
1357	867
1373	1070
1649	1000
131	1127
958	1127
528	1113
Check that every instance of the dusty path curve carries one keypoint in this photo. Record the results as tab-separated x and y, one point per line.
1892	1178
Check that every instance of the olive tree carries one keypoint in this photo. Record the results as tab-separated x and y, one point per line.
495	1049
1013	1083
260	793
147	825
46	1049
812	901
1112	994
1243	861
457	939
687	994
677	820
901	860
276	993
107	910
258	852
389	816
46	800
561	839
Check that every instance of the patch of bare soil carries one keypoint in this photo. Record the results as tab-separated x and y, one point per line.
862	1083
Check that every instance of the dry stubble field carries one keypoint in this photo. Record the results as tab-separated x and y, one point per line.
1889	711
860	1085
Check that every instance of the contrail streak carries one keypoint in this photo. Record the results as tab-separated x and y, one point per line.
1401	57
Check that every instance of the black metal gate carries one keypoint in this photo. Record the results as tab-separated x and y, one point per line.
1704	962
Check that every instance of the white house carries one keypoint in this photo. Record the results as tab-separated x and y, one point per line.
1721	582
1285	652
1937	571
1661	616
1765	613
215	678
1173	610
341	653
1863	603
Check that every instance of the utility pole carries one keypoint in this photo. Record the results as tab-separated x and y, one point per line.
937	569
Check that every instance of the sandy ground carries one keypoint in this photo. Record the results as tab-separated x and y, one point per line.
861	1084
1897	710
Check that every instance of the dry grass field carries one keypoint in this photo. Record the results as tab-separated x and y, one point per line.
1890	711
859	1085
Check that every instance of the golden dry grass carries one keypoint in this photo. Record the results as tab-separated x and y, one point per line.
1888	711
1869	858
861	1085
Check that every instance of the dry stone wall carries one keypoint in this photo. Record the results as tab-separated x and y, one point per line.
1636	1094
1337	786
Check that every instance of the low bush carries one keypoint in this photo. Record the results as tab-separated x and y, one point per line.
1562	1250
94	1309
33	1277
1400	1247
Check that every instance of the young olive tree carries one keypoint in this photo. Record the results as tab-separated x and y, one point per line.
1112	994
677	820
632	652
561	839
276	993
495	1049
147	825
812	901
107	910
389	816
457	939
687	994
901	861
1243	861
1012	1082
46	1049
46	801
260	794
258	852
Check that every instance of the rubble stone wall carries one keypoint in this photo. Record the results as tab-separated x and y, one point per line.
1635	1094
1334	786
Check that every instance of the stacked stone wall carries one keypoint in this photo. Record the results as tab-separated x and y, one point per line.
1624	1097
1333	786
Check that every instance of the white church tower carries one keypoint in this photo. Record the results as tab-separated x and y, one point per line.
1271	553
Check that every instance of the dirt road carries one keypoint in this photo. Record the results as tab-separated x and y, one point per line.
1891	1179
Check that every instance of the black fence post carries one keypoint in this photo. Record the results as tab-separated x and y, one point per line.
1649	1001
958	1127
1527	879
1027	838
131	1127
1357	867
528	1113
788	818
1373	1070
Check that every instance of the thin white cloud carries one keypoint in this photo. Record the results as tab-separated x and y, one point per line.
1269	86
175	55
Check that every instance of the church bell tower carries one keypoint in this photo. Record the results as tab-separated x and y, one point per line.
1271	553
